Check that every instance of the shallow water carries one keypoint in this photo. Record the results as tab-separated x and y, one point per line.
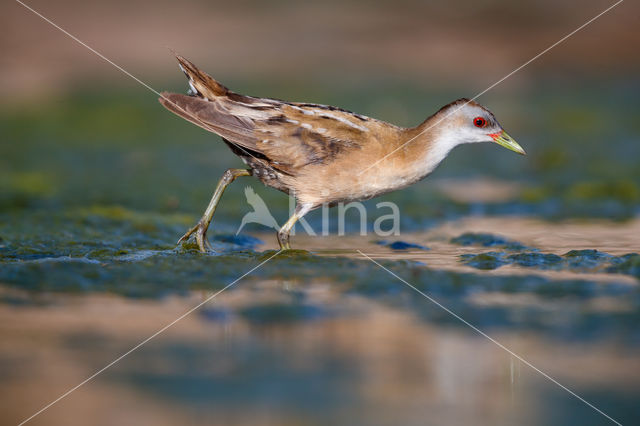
307	354
322	335
541	253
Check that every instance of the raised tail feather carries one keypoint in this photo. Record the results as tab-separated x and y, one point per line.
197	107
201	83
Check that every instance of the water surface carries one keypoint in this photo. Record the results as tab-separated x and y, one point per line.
540	252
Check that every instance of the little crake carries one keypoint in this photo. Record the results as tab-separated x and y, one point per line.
323	154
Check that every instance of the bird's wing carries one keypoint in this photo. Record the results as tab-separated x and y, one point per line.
290	135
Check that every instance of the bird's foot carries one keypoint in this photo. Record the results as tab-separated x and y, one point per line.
284	247
200	229
283	241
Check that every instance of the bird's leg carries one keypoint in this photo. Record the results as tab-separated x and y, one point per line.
283	233
201	227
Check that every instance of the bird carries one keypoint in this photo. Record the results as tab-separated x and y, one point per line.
321	154
260	213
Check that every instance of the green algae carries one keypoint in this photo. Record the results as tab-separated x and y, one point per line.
487	240
628	264
626	191
96	188
535	259
115	258
124	150
589	260
485	261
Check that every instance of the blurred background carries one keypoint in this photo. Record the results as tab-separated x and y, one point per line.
77	130
97	182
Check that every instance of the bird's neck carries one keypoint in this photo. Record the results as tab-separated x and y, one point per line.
415	154
432	142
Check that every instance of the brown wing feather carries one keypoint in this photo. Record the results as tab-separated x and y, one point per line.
296	139
289	135
210	116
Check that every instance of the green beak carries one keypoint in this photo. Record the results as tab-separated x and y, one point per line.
502	138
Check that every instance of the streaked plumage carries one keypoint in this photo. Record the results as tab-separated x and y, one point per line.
319	153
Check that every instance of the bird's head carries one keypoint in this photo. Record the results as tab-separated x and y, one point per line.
465	121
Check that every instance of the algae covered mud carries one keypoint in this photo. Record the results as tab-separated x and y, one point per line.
325	334
540	252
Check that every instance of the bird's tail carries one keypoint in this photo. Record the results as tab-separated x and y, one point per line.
201	83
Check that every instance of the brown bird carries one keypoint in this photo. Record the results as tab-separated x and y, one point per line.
319	153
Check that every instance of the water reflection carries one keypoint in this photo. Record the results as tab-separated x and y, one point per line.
324	336
276	352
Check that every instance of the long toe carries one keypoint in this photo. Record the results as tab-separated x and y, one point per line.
186	236
284	244
207	244
201	238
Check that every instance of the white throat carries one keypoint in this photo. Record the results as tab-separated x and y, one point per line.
442	145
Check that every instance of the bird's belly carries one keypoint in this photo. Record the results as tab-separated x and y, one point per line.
345	187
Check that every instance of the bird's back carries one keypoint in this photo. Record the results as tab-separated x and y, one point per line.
285	143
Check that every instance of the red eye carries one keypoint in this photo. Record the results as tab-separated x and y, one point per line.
479	122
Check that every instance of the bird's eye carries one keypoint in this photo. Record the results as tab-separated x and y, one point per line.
479	122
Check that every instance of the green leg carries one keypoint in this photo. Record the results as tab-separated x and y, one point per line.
201	227
283	233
